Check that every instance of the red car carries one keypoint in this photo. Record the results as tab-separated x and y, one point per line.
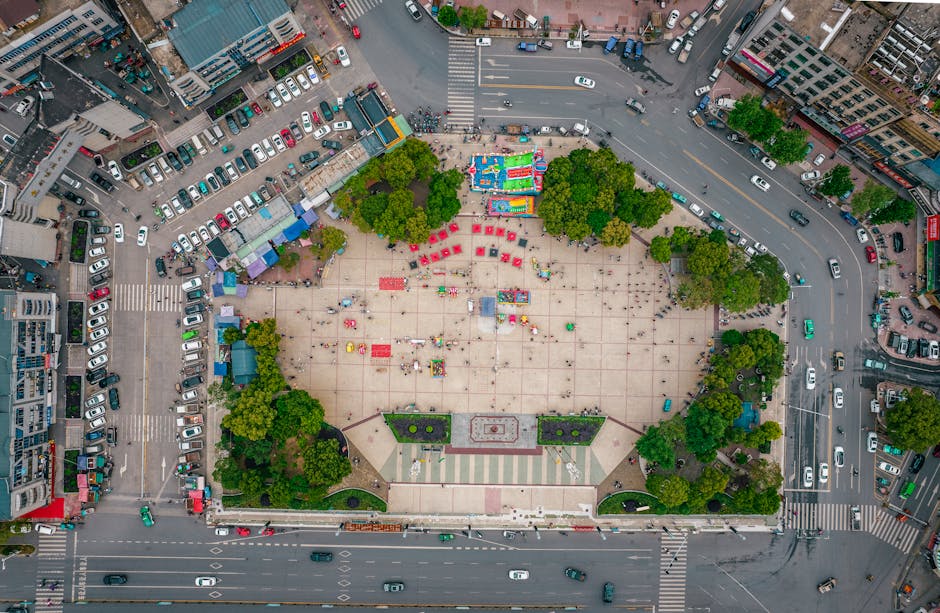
288	138
256	108
98	294
222	221
356	33
267	532
316	118
871	254
242	531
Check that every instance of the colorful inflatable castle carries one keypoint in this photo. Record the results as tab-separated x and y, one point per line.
518	175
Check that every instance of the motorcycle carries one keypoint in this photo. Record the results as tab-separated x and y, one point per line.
840	430
507	104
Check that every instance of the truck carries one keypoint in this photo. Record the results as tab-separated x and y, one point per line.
855	516
698	25
529	47
638	54
374	526
191	456
611	43
516	129
732	42
186	408
696	118
190	445
189	420
628	47
684	54
321	67
688	20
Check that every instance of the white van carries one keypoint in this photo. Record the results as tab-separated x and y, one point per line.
45	528
191	357
581	129
199	146
192	345
133	182
165	166
532	21
499	16
207	134
93	449
73	183
249	203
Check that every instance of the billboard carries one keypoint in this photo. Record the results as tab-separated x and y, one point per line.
933	227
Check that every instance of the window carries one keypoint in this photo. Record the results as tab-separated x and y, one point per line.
802	59
825	61
812	51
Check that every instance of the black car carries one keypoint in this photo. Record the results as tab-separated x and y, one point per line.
174	161
109	380
184	155
93	376
326	111
192	382
242	118
89	214
112	435
196	294
213	183
926	325
912	348
249	158
99	278
102	182
74	198
221	175
230	121
897	241
799	217
102	230
184	198
917	464
161	267
240	164
923	346
296	131
114	399
195	308
309	157
190	150
331	144
115	579
311	165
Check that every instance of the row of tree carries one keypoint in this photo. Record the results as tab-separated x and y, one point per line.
761	124
720	273
914	423
592	192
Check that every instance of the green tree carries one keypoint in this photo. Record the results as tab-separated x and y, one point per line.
393	222
398	169
447	16
899	210
767	432
297	413
837	181
230	335
712	481
288	260
473	17
750	117
333	240
707	258
417	229
741	357
725	404
914	423
597	220
655	447
871	198
651	208
788	147
660	249
674	491
681	238
673	430
252	415
705	432
774	288
324	464
251	484
741	291
228	473
280	492
765	474
615	234
259	452
732	337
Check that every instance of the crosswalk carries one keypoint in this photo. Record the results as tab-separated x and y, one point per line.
50	571
673	563
144	428
461	82
78	278
140	297
357	8
876	520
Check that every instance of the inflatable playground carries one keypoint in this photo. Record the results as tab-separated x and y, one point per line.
508	174
510	206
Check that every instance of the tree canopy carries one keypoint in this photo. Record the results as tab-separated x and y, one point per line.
473	17
872	198
750	117
837	181
788	146
899	210
914	423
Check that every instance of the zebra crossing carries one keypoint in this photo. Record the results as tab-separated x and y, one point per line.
141	297
145	428
357	8
673	563
78	278
50	569
876	520
461	82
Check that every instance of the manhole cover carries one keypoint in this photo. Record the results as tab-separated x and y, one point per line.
215	594
343	583
215	551
343	597
215	566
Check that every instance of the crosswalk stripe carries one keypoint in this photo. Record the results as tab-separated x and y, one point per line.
831	516
140	297
462	59
51	552
673	561
357	8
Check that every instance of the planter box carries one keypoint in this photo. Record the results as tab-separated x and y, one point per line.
75	322
73	397
150	151
227	104
290	65
78	244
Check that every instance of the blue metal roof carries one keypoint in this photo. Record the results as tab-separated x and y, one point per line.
205	27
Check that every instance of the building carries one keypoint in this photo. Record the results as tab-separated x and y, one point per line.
29	345
17	14
71	29
218	39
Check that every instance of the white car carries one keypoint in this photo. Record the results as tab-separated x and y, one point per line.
703	90
302	81
807	476
484	42
155	172
573	44
696	209
862	235
95	412
259	153
934	350
97	361
838	456
98	308
191	284
93	351
115	170
672	19
177	205
584	82
278	143
206	581
213	227
94	400
240	209
97	252
312	75
343	56
282	90
145	177
838	398
99	266
97	423
819	159
194	238
118	233
231	172
518	575
271	151
871	442
193	193
274	98
321	132
340	126
192	432
306	122
204	234
812	175
142	236
190	395
184	243
100	333
675	45
810	378
823	473
167	210
229	213
192	320
768	163
760	183
292	86
212	182
889	468
760	247
96	322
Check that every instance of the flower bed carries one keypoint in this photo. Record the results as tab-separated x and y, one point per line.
352	500
75	322
70	478
148	152
226	104
419	428
79	242
73	397
569	430
614	504
289	65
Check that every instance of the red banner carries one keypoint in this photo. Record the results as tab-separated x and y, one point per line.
933	227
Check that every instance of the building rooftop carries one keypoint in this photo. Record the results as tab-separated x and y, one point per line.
14	11
31	148
70	94
48	9
204	27
857	35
